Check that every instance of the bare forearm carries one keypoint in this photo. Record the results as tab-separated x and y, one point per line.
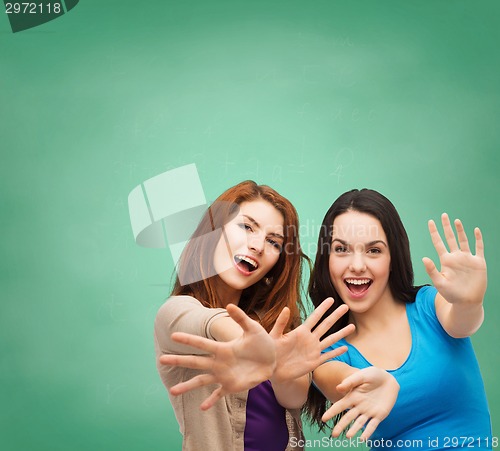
327	376
461	319
292	394
465	319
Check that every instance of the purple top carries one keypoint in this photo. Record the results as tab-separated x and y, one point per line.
265	428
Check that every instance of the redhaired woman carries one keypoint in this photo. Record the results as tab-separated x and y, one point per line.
242	364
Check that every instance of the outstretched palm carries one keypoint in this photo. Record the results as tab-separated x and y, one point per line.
462	278
298	352
369	396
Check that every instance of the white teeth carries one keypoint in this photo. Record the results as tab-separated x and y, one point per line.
248	260
358	281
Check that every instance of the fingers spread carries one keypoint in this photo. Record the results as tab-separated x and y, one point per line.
332	354
196	382
356	426
479	243
351	381
329	414
195	341
333	338
370	429
345	421
212	399
328	322
335	409
430	268
448	233
280	324
462	237
436	238
318	313
245	322
187	361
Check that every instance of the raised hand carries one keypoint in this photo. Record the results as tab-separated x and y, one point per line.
462	278
369	396
236	365
298	352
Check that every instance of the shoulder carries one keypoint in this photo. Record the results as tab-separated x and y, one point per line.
182	302
426	292
423	312
176	308
425	300
183	314
173	310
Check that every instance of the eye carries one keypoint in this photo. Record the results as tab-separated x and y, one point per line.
274	243
374	250
338	249
245	226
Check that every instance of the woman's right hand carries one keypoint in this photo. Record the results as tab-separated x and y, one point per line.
369	396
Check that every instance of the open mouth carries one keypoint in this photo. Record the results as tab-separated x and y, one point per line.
357	286
245	263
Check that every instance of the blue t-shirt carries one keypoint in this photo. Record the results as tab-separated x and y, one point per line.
441	403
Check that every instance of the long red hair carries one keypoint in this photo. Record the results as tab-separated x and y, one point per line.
264	299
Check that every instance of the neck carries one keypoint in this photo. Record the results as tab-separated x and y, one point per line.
225	294
379	317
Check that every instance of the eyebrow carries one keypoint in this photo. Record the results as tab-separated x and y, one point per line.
256	224
370	243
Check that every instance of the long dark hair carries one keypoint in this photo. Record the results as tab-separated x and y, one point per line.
266	298
320	286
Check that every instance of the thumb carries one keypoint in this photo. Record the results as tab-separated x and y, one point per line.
245	322
351	382
280	324
430	268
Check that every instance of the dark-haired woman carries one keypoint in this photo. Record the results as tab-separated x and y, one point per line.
410	378
250	376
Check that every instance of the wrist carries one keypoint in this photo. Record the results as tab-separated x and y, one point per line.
283	380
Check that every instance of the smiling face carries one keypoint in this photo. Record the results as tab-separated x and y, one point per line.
248	249
360	261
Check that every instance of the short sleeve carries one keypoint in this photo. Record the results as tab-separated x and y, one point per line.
423	310
425	302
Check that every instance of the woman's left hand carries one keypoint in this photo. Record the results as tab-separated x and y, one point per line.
369	396
462	279
298	352
235	365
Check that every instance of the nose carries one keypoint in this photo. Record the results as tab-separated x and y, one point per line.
256	243
357	263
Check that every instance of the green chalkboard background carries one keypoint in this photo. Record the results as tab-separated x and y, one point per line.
310	97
